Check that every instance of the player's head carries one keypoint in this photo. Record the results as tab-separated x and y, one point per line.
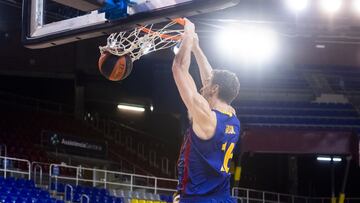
223	84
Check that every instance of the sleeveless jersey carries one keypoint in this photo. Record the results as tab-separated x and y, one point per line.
203	165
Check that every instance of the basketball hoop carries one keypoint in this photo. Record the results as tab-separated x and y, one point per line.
144	39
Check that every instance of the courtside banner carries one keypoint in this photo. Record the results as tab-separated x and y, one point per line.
65	143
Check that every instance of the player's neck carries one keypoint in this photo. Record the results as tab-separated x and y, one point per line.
220	105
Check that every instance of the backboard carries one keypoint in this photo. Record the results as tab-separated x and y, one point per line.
49	23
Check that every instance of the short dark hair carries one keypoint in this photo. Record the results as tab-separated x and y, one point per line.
229	85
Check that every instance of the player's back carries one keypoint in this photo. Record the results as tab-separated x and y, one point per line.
206	162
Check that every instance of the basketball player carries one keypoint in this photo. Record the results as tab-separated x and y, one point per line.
208	145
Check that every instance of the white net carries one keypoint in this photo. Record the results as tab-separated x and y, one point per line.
143	40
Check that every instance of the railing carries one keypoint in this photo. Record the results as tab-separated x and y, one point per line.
69	197
120	180
110	179
83	196
250	195
38	172
246	195
36	168
14	165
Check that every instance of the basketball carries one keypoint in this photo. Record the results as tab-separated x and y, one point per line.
115	68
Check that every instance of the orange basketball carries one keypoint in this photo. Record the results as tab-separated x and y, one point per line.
115	68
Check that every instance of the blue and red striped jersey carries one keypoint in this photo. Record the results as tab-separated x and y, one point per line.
203	165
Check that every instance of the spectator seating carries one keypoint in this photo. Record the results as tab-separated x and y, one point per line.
100	195
21	132
23	191
298	114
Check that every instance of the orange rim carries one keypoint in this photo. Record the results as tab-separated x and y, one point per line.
179	21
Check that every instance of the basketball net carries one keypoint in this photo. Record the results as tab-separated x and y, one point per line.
143	40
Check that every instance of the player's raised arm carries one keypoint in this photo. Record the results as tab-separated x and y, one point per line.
202	61
181	65
196	104
182	59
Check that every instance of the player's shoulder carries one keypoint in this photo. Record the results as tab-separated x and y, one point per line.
227	116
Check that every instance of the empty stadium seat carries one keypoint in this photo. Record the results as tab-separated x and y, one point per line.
304	114
23	191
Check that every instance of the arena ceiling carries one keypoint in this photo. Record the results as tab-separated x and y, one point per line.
338	35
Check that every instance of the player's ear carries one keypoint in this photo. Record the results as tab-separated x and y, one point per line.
215	89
